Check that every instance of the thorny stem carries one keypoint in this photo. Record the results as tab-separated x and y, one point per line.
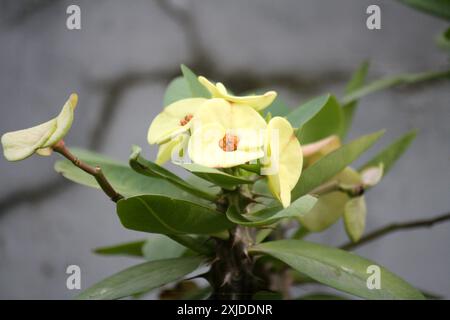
396	227
96	172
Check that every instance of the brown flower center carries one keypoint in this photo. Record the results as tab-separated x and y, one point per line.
186	119
229	142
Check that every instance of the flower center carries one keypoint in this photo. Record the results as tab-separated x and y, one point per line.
186	119
229	142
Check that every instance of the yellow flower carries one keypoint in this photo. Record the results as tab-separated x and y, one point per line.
284	159
176	118
257	102
226	135
18	145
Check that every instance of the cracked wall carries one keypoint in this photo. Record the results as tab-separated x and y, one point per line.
120	62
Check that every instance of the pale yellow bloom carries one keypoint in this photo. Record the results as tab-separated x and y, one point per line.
226	135
18	145
284	157
257	102
176	118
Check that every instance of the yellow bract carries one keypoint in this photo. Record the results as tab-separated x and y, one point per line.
18	145
284	159
257	102
176	118
226	135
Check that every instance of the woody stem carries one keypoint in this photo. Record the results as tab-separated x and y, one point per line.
96	171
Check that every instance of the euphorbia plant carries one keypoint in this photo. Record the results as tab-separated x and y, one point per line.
259	179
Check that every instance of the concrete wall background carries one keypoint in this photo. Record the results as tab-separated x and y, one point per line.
120	62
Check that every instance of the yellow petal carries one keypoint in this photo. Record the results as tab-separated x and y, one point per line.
21	144
229	116
169	122
166	150
257	102
204	148
63	121
288	166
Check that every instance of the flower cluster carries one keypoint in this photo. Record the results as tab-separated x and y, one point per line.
227	131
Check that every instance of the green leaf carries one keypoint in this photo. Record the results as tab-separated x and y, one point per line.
159	214
391	153
217	177
151	169
394	81
355	218
321	296
299	116
337	268
443	40
141	278
356	82
120	175
272	214
278	108
133	249
328	121
160	247
438	8
177	89
333	163
197	90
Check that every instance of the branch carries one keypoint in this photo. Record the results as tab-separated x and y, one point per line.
96	172
396	227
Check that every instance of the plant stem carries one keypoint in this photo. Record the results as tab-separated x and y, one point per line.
396	227
96	172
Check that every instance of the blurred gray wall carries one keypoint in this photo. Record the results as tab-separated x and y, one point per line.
120	62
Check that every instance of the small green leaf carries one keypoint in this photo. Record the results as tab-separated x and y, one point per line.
443	40
385	83
159	214
391	153
355	218
272	214
177	89
278	108
141	278
217	177
151	169
333	163
326	122
439	8
299	116
126	181
160	247
197	90
337	268
133	249
356	82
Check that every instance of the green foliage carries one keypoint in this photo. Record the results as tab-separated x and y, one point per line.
356	82
160	247
299	116
141	278
151	169
337	268
331	164
439	8
389	156
178	89
272	214
215	176
277	108
324	119
196	88
160	214
133	249
122	178
443	40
